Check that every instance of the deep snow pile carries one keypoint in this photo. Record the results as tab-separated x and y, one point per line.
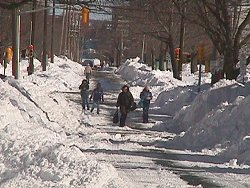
140	74
216	118
35	145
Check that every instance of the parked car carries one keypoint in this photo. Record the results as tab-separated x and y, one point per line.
94	63
87	61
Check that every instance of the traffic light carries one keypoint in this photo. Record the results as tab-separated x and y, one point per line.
9	54
201	53
85	15
31	50
177	53
188	58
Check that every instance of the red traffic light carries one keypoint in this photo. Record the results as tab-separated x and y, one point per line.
31	47
177	51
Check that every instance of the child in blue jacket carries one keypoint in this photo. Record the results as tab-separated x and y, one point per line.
97	96
145	97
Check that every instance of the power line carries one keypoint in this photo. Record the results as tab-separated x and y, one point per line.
41	9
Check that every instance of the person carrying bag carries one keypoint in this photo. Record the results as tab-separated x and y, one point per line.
116	116
124	101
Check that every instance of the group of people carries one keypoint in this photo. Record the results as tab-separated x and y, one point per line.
96	95
125	100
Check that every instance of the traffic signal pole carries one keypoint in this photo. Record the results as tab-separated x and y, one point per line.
52	33
32	42
62	34
15	42
16	36
45	56
201	59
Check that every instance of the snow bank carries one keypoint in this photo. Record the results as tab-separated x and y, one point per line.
36	124
216	118
169	93
140	74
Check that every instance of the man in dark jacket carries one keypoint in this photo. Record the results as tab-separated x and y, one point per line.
84	87
124	101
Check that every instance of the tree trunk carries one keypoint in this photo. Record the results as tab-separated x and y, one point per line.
193	61
229	65
172	55
152	59
44	57
181	45
161	58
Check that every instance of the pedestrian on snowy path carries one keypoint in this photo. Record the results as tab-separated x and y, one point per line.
84	87
145	97
97	96
124	101
88	72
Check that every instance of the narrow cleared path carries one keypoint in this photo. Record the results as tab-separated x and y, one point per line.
131	149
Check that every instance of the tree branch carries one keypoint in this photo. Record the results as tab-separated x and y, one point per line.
8	5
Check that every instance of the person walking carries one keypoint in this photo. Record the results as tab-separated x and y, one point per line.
97	96
84	87
88	72
145	97
124	102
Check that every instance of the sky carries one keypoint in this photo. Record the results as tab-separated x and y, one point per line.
48	141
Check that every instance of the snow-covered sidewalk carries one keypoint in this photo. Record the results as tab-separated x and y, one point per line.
44	134
46	140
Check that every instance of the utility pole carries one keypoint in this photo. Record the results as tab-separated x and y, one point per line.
143	48
71	14
45	56
201	57
68	33
52	33
71	33
33	24
75	35
79	39
62	33
15	42
32	41
181	46
119	46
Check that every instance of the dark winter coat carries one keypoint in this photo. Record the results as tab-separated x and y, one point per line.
97	95
84	85
125	101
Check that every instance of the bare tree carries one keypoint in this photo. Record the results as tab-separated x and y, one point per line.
225	22
10	4
162	24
